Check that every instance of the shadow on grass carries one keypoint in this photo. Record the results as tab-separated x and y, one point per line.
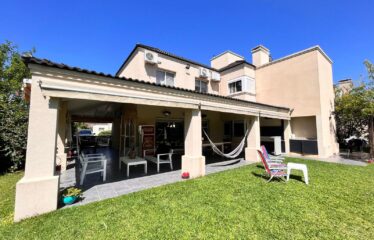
266	177
227	163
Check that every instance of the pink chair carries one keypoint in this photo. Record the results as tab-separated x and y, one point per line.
275	170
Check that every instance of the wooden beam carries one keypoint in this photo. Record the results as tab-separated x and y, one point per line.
76	118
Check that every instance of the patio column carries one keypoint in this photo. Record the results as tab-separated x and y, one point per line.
287	135
253	139
37	191
193	161
61	137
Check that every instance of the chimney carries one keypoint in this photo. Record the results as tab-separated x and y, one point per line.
260	55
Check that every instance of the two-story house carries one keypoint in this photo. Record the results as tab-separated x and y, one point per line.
180	100
301	81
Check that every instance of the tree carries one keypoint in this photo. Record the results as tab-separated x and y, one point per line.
13	108
368	109
354	111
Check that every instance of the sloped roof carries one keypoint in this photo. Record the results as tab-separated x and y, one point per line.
45	62
157	50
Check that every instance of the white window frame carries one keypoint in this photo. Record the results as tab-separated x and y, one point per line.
201	80
232	81
248	85
164	81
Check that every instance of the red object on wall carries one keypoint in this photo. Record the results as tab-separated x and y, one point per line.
148	138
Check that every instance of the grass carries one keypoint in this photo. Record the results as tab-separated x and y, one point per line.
236	204
7	194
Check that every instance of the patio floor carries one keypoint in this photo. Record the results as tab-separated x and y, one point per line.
117	184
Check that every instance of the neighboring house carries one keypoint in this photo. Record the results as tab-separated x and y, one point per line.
291	97
345	86
99	127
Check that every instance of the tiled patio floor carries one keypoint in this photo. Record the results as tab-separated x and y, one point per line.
94	189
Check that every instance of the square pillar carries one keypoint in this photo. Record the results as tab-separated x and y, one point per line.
61	137
193	161
253	139
287	135
37	191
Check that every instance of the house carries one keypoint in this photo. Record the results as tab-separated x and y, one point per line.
99	127
291	98
344	86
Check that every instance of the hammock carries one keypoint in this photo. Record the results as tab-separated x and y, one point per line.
234	153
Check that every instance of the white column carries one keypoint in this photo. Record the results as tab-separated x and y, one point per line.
253	139
61	137
37	191
287	135
192	160
322	142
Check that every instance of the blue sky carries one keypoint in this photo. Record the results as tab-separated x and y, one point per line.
98	35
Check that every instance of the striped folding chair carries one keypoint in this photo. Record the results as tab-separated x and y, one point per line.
273	170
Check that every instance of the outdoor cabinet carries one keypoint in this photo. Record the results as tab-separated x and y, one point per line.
307	147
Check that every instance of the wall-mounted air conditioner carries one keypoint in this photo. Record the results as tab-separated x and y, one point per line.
150	57
216	76
204	73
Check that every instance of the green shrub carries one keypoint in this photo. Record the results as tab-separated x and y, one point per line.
105	133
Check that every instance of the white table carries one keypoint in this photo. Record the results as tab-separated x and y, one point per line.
132	162
298	166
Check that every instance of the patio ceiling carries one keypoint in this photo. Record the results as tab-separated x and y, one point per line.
87	110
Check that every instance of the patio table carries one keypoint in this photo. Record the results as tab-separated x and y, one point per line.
132	162
298	166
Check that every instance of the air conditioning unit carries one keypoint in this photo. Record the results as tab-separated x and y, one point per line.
150	57
204	73
216	76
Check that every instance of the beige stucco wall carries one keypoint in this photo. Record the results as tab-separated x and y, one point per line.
137	68
293	83
327	125
304	127
234	73
303	83
224	59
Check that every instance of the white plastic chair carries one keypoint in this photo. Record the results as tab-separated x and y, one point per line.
158	159
92	163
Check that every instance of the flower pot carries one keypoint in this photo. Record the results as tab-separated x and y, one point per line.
186	175
69	200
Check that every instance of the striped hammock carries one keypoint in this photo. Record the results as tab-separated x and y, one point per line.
234	153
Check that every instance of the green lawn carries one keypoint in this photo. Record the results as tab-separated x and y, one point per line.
236	204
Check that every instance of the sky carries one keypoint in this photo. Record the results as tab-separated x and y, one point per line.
99	35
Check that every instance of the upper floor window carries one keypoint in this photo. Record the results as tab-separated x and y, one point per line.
165	78
235	86
201	86
242	84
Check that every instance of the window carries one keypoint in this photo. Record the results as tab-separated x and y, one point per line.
234	129
235	87
238	128
227	129
201	86
165	78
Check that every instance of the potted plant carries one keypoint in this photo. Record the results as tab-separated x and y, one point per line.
70	195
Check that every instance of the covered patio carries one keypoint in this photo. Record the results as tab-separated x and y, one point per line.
117	184
60	93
